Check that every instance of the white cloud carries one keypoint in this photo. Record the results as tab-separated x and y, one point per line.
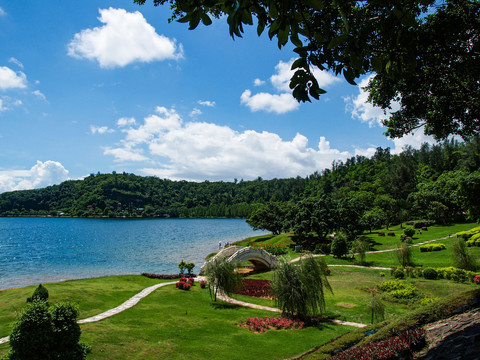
2	12
10	79
124	38
279	104
415	140
126	121
258	82
16	62
363	110
198	150
7	102
100	129
206	103
40	175
283	102
1	106
195	112
39	94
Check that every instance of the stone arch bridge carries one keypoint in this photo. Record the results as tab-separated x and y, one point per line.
261	259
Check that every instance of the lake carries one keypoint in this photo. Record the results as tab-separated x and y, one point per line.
34	250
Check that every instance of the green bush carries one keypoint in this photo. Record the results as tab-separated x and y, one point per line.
409	292
322	248
47	332
339	246
409	232
469	233
391	285
452	273
430	274
40	293
432	247
426	301
398	274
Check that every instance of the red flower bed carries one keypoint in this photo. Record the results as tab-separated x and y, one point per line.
167	276
476	279
257	288
184	283
390	349
257	324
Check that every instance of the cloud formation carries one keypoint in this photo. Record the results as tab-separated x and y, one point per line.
364	111
42	174
199	150
100	129
16	62
206	103
124	38
2	12
10	79
39	94
283	101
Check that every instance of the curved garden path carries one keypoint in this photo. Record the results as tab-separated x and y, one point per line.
147	291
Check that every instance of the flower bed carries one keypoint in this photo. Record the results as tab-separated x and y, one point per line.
257	324
256	288
167	276
402	346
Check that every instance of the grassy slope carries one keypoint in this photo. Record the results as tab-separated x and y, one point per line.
177	324
92	296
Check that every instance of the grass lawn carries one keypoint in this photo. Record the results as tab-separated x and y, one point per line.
92	296
176	324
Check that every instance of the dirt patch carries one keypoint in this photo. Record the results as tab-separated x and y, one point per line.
346	305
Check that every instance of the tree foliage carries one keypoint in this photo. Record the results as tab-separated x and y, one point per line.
299	290
271	216
221	277
47	332
424	53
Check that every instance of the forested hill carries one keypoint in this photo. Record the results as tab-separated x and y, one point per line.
435	181
118	195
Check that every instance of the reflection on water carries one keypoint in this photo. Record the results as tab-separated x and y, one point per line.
34	250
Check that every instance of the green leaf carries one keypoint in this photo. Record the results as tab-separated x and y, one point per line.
337	41
299	63
206	19
349	76
260	27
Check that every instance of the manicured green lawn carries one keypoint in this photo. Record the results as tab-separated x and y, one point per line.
176	324
92	296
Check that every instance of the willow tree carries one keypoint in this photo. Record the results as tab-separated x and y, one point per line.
221	277
299	289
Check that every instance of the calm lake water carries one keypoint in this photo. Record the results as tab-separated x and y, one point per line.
34	250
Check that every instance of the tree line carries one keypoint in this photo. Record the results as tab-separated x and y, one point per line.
436	182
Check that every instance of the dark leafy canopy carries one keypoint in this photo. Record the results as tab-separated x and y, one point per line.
425	52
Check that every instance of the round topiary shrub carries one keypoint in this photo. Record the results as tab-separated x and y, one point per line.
430	274
40	293
398	274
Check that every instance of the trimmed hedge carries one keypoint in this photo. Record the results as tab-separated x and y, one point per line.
432	247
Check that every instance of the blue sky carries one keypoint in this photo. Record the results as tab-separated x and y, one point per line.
88	86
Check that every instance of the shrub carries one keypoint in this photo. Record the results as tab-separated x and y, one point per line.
409	232
322	248
47	332
426	301
382	274
404	255
468	233
164	276
203	284
391	285
274	249
452	273
398	274
186	286
339	246
191	281
476	279
189	266
430	274
391	234
461	257
381	233
40	294
182	265
432	247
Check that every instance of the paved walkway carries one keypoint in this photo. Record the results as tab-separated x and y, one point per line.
147	291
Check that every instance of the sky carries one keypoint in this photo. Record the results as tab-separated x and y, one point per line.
99	86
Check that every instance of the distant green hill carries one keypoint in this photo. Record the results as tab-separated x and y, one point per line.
439	183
